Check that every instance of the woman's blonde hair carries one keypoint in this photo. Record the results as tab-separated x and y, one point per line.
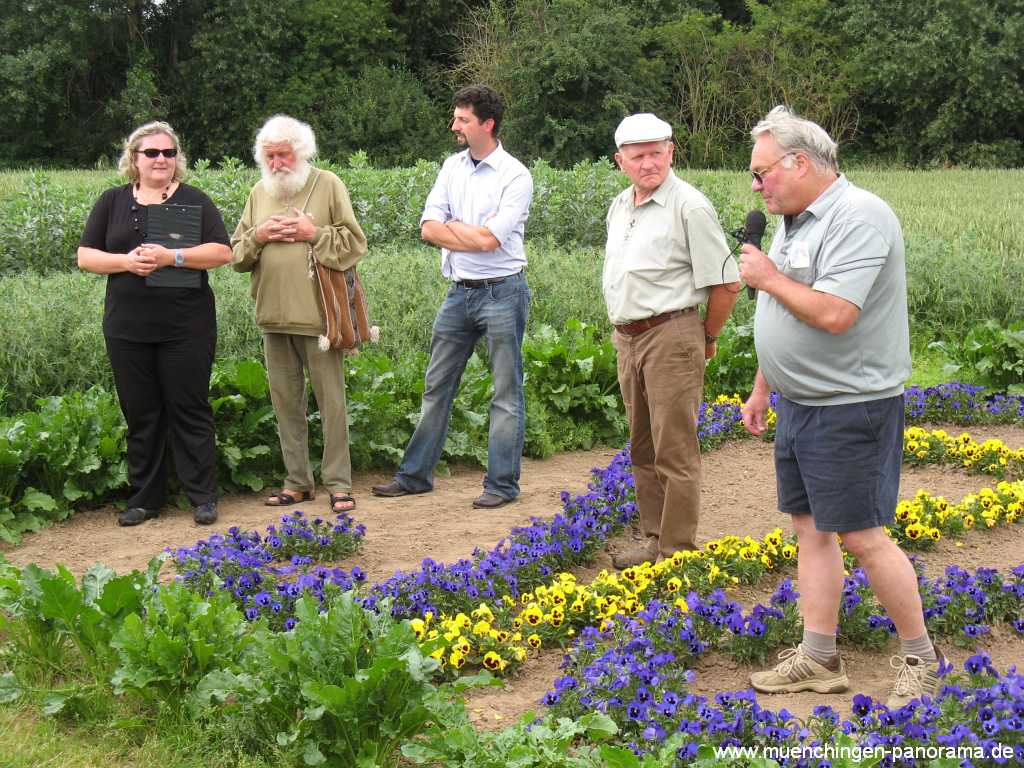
127	166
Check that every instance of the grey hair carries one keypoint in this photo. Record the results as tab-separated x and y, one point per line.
126	165
798	134
286	129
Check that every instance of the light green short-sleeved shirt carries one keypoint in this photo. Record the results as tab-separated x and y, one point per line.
663	254
847	243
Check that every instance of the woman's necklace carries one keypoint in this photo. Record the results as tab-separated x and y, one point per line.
163	194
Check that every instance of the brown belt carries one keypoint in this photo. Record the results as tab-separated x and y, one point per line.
639	326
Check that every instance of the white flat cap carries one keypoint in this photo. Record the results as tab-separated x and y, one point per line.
642	127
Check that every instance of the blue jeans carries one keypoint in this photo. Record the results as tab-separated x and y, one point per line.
499	312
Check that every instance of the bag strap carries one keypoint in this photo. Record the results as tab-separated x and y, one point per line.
328	300
316	178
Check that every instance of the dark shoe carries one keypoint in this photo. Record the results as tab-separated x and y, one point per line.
136	515
205	514
284	499
392	490
487	500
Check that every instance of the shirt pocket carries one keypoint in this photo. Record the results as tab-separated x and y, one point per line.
798	263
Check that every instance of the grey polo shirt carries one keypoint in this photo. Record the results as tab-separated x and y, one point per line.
663	254
847	243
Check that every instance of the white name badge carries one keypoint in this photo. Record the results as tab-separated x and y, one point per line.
799	255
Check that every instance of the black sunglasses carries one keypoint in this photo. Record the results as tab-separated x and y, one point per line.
151	153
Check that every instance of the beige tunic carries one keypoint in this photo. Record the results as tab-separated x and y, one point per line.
285	293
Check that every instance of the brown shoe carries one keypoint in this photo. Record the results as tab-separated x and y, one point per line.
915	678
487	500
645	553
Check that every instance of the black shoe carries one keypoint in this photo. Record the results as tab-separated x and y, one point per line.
205	514
136	515
393	489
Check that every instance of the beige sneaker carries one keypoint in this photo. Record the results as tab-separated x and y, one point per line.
644	553
797	672
915	678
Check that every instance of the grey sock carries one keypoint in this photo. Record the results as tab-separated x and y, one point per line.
919	646
821	648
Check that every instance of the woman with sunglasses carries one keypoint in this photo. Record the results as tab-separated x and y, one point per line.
160	340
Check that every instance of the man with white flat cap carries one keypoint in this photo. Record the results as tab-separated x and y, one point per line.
665	256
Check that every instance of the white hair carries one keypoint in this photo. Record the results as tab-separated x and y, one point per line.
798	134
286	129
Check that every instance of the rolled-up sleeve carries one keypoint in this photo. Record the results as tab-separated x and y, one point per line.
513	208
438	206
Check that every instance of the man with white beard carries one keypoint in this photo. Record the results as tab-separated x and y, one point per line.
293	209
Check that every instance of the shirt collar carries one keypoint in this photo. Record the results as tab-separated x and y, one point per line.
494	160
828	198
660	195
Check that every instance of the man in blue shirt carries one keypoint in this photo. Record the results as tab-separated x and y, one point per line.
476	212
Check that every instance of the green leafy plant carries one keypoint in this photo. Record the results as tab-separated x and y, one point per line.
248	450
532	743
61	633
174	641
344	687
990	354
68	453
731	371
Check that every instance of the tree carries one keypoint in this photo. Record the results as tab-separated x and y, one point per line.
939	81
60	62
569	69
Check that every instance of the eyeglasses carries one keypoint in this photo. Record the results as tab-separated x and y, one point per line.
152	153
758	176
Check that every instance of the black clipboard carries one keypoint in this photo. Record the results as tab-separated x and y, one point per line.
174	226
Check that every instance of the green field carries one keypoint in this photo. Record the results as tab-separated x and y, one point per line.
962	236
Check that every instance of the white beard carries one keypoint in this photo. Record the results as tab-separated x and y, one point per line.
286	184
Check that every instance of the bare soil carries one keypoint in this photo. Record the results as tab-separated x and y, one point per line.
738	498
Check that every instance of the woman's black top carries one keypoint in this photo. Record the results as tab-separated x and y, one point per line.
137	312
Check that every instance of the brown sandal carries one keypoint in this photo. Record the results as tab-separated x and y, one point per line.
342	498
284	499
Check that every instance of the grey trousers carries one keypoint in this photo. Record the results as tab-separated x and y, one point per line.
288	357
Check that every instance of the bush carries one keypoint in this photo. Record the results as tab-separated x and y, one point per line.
388	111
42	225
345	687
991	355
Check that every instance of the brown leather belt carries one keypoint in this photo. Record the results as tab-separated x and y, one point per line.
639	326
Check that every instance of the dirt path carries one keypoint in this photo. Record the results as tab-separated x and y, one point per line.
738	498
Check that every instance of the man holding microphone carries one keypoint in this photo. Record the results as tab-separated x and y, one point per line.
832	338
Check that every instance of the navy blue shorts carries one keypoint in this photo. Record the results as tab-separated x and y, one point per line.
840	463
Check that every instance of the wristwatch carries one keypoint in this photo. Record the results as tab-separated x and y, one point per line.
709	339
179	260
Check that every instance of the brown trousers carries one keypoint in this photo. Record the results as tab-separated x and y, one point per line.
661	375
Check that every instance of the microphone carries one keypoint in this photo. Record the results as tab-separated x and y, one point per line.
753	231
